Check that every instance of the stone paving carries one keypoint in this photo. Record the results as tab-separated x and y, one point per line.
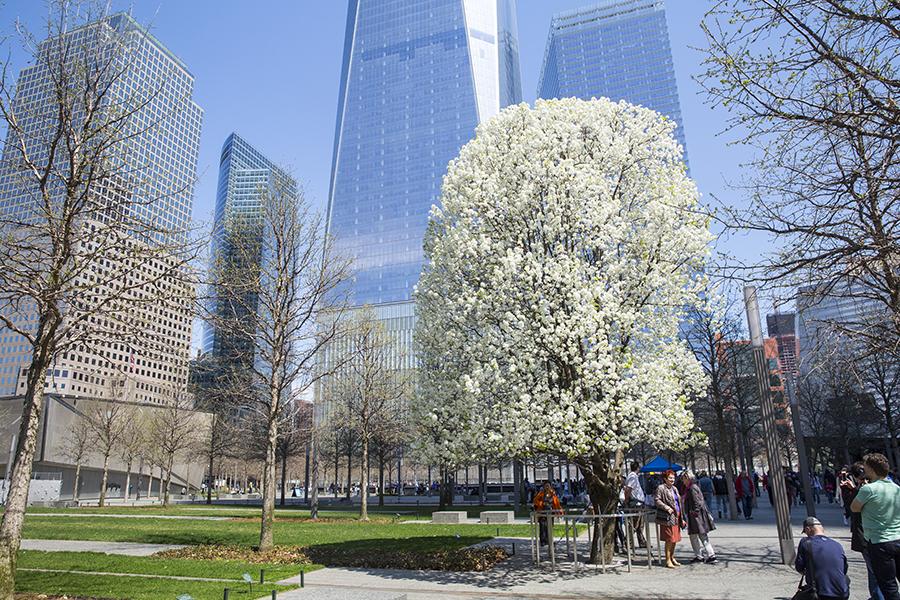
124	548
749	569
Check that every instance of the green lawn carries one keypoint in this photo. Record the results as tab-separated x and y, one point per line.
245	532
145	565
133	588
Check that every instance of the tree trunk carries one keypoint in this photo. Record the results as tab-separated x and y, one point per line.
212	478
140	475
283	475
268	487
381	478
306	473
150	482
314	478
168	484
482	485
364	482
349	470
103	483
729	469
127	492
603	478
77	478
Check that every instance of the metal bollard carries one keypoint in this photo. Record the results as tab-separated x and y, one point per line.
225	597
274	595
262	575
302	584
514	549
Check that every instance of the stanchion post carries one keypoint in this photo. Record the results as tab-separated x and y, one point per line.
767	408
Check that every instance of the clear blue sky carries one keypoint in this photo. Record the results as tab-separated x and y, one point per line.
270	69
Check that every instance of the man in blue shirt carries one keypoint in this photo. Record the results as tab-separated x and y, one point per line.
826	559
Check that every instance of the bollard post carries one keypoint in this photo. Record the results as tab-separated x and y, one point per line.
262	575
302	583
274	595
225	597
514	549
498	532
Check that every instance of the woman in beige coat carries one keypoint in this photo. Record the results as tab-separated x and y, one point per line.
669	516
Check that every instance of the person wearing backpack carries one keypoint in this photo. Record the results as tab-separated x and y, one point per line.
823	564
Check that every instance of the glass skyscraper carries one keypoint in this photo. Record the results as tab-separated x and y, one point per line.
245	177
163	153
417	78
618	49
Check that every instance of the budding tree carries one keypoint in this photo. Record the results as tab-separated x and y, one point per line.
560	265
77	446
274	283
174	429
811	87
370	389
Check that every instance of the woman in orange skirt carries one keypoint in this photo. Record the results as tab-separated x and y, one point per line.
669	516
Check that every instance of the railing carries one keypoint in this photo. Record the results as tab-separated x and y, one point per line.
572	520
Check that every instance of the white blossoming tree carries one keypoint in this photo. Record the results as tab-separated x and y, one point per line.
559	267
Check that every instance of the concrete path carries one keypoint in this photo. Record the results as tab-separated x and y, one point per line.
124	548
749	569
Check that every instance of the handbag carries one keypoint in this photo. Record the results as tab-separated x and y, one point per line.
808	590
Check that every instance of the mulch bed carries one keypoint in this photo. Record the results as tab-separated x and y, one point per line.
481	558
279	555
46	597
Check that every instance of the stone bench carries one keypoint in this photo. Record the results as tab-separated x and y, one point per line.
491	517
449	517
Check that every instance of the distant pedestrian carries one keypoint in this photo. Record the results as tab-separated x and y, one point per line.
634	500
822	562
706	486
858	541
699	521
720	487
744	490
546	501
879	503
669	516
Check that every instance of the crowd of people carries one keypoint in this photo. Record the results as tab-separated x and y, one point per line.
868	492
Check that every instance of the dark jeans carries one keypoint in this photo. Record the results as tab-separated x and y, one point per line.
885	559
748	506
874	590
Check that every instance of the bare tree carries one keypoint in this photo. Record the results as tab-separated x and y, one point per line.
711	333
79	255
77	446
275	288
877	371
106	421
174	429
371	388
811	86
134	437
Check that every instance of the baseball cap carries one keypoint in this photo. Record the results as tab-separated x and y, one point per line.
811	522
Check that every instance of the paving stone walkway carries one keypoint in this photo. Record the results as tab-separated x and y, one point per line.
124	548
749	569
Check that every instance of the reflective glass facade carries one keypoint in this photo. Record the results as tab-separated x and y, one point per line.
418	76
618	49
245	176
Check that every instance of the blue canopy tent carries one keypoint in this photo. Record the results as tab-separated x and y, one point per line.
660	464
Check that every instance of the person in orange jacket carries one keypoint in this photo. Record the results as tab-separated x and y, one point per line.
546	500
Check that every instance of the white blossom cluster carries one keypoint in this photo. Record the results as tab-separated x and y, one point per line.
566	250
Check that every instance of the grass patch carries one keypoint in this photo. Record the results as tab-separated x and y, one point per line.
245	532
132	588
151	565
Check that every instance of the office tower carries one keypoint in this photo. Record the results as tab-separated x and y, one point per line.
825	319
417	78
163	153
617	49
782	328
246	177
